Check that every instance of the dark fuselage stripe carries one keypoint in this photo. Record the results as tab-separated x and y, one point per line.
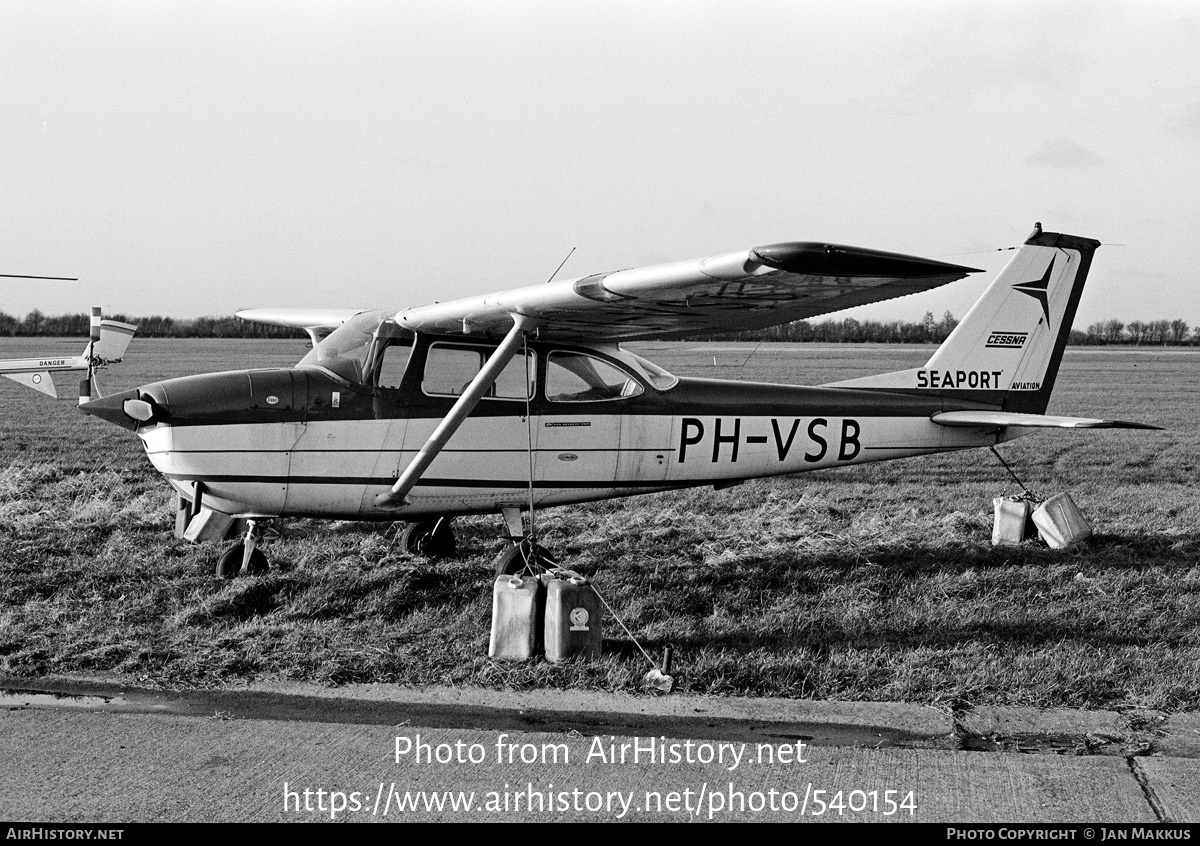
388	481
446	451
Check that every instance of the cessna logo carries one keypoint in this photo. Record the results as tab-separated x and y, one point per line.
1006	339
1038	290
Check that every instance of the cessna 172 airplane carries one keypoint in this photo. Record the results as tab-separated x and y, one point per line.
513	401
107	344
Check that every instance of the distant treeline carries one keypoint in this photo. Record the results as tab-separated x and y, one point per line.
933	331
847	331
79	325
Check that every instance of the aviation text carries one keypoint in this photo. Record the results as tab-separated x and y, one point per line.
979	379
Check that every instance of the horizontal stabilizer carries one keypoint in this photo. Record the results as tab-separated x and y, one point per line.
40	381
1033	421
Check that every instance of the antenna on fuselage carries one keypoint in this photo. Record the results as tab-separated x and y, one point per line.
560	267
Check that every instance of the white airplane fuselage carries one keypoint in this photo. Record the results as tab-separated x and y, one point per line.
496	403
304	442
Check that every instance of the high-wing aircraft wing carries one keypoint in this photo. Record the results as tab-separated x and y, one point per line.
750	289
317	322
763	286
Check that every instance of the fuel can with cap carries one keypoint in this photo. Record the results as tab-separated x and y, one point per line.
518	603
573	619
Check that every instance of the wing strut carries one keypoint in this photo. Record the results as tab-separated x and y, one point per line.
397	496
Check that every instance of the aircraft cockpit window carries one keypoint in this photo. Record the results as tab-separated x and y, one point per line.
450	369
575	377
659	378
346	349
392	364
388	356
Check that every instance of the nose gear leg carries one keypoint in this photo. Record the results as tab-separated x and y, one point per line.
244	558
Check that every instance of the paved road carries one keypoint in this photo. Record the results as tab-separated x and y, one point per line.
380	753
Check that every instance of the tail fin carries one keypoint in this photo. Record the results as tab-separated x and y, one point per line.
1007	350
114	340
110	339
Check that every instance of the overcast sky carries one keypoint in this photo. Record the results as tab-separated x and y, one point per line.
193	158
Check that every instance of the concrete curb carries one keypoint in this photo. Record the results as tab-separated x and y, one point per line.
865	724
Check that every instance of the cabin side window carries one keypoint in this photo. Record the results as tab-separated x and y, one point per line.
387	357
450	368
393	364
576	377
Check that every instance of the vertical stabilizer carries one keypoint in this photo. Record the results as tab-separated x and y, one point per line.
1007	349
114	340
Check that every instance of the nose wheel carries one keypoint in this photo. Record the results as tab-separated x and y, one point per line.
244	558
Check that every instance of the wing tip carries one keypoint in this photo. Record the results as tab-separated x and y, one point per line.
1126	424
816	257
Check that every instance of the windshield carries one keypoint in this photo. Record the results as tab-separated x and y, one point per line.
655	375
346	349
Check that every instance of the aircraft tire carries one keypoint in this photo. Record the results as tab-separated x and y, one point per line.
510	560
420	539
229	565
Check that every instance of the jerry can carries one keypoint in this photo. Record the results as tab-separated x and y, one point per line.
517	607
1060	522
1011	517
573	620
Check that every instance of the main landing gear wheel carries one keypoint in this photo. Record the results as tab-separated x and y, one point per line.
431	538
229	565
522	555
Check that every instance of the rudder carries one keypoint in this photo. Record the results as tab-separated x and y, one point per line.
1008	348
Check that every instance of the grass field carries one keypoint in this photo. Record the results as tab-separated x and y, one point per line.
877	582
